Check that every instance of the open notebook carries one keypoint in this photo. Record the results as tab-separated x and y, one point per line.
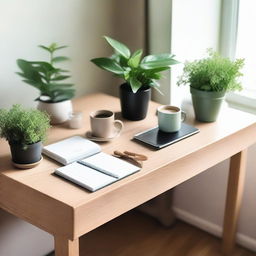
86	165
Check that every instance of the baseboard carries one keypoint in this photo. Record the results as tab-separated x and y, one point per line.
243	240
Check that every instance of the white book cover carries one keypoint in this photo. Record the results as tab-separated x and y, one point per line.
110	165
72	149
84	176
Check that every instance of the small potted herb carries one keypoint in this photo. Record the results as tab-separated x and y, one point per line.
55	95
25	130
209	79
140	74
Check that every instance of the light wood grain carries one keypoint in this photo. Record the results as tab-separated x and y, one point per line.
140	188
65	247
36	207
233	200
66	210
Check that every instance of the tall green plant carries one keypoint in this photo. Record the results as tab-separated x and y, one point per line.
46	77
134	69
213	73
22	126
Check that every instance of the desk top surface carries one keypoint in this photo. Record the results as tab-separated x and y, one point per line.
41	179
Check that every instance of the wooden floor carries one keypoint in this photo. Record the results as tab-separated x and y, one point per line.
134	234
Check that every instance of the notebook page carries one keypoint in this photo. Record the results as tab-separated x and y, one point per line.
110	165
84	176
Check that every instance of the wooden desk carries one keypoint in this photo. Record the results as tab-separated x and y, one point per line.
68	211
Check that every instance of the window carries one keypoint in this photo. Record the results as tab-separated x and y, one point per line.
246	42
243	41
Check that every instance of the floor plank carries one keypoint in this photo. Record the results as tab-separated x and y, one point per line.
135	234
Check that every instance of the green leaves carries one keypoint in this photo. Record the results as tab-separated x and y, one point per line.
132	69
59	59
46	77
135	84
119	47
28	71
157	57
158	61
60	77
134	61
213	73
109	65
23	126
52	47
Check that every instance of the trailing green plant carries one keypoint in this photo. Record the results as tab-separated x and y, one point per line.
23	126
213	73
136	71
46	77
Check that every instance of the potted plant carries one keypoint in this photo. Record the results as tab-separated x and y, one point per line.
209	79
25	130
55	95
140	74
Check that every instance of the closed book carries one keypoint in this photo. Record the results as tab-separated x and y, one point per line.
72	149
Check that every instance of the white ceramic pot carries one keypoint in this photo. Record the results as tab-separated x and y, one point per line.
59	112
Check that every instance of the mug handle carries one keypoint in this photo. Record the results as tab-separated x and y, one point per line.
119	125
183	116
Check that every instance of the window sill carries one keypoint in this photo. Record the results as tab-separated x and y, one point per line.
245	101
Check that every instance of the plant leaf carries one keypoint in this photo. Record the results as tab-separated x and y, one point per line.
153	75
55	86
63	95
119	47
156	86
28	70
60	77
134	61
109	65
162	56
33	83
60	59
135	84
158	61
126	74
156	70
61	47
158	64
44	47
42	64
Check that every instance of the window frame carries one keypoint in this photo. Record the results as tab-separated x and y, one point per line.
228	41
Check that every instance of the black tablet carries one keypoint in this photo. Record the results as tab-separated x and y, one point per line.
158	139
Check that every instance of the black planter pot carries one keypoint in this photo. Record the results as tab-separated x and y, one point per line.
134	106
28	155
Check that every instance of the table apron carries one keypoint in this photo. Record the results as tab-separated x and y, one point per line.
36	208
141	189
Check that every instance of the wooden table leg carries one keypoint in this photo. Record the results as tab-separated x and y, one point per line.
65	247
233	200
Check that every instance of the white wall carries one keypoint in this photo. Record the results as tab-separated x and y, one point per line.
201	200
80	24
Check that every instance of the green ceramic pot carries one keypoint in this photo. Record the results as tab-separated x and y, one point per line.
206	104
